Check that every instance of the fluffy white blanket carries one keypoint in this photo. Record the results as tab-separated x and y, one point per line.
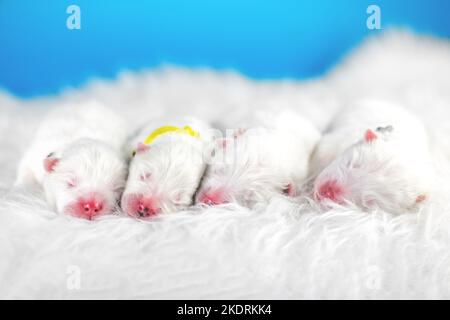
287	249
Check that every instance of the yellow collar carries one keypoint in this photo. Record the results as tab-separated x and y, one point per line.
169	129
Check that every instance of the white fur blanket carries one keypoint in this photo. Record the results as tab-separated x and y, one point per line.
284	250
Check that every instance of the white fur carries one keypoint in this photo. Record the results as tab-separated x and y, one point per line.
263	160
173	166
285	249
392	172
87	140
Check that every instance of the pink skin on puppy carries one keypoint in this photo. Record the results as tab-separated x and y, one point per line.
88	208
330	190
138	206
212	197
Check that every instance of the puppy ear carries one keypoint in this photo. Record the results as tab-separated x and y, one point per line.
421	198
49	163
370	136
141	147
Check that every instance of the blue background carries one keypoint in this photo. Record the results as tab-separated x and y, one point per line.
261	39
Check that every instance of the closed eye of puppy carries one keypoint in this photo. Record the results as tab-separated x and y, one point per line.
76	159
166	168
260	162
389	167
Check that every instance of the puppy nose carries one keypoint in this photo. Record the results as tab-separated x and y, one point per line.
140	206
212	199
90	208
147	209
330	190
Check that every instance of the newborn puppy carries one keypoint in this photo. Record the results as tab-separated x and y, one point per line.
166	168
75	157
260	162
375	155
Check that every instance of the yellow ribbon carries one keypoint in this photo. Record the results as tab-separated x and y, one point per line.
169	129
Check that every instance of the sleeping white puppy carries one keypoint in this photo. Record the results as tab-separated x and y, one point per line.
76	158
167	166
374	154
261	161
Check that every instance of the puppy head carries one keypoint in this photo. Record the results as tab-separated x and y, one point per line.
85	179
164	176
374	173
240	171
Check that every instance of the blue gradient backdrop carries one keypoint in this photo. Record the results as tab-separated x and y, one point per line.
262	39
